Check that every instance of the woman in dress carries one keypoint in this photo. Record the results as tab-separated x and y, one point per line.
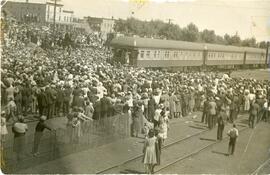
163	132
246	99
149	150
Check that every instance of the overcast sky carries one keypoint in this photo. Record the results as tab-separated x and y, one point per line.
247	17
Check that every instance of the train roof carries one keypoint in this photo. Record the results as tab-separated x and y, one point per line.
137	42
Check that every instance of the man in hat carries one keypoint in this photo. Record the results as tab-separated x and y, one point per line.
221	120
41	125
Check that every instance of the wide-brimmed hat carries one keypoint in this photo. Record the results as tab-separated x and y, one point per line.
43	118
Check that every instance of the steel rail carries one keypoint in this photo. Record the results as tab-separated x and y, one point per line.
196	152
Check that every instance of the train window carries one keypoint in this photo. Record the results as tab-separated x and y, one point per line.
175	54
148	54
142	54
166	54
155	54
158	53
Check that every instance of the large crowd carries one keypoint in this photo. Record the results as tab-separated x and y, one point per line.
53	76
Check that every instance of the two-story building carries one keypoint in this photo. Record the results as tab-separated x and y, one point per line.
102	25
40	13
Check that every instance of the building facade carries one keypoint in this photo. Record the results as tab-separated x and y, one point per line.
102	25
39	13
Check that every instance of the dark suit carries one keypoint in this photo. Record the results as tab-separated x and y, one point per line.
42	103
253	113
151	109
222	117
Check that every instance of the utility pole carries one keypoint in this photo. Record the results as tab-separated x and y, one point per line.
54	16
170	20
267	54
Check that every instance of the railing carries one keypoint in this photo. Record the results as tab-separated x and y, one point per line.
63	142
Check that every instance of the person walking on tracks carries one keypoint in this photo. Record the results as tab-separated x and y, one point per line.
233	134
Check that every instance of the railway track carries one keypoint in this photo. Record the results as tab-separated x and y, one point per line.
182	149
258	170
195	152
141	155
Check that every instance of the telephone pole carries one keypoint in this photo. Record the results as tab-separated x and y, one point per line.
54	16
170	20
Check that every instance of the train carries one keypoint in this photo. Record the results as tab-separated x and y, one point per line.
159	53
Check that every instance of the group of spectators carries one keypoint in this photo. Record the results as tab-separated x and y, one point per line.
69	75
43	79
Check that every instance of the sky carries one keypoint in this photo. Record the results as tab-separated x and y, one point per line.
249	18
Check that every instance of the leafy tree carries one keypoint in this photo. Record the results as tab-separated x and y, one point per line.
190	33
208	36
220	40
160	29
263	44
249	42
236	40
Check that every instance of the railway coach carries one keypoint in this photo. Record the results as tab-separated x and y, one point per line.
147	52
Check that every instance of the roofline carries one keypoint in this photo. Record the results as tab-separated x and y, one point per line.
53	4
130	43
18	2
68	11
99	18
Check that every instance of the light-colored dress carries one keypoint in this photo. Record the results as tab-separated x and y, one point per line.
247	103
164	128
150	156
4	130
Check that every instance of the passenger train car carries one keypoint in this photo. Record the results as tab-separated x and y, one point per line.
147	52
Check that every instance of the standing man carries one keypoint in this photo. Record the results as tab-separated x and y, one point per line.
38	133
253	113
221	120
19	129
205	111
233	134
212	113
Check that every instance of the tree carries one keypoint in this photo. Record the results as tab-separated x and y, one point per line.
160	29
208	36
170	31
190	33
220	40
263	44
236	40
249	42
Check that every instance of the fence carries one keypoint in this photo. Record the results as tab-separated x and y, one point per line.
66	141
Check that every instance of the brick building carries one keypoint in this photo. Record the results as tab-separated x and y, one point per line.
39	13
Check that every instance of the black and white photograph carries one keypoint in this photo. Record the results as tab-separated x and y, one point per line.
135	87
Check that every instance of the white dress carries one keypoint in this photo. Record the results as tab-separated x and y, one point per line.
150	151
164	129
3	126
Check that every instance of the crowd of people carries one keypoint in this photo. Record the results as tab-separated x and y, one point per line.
56	76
